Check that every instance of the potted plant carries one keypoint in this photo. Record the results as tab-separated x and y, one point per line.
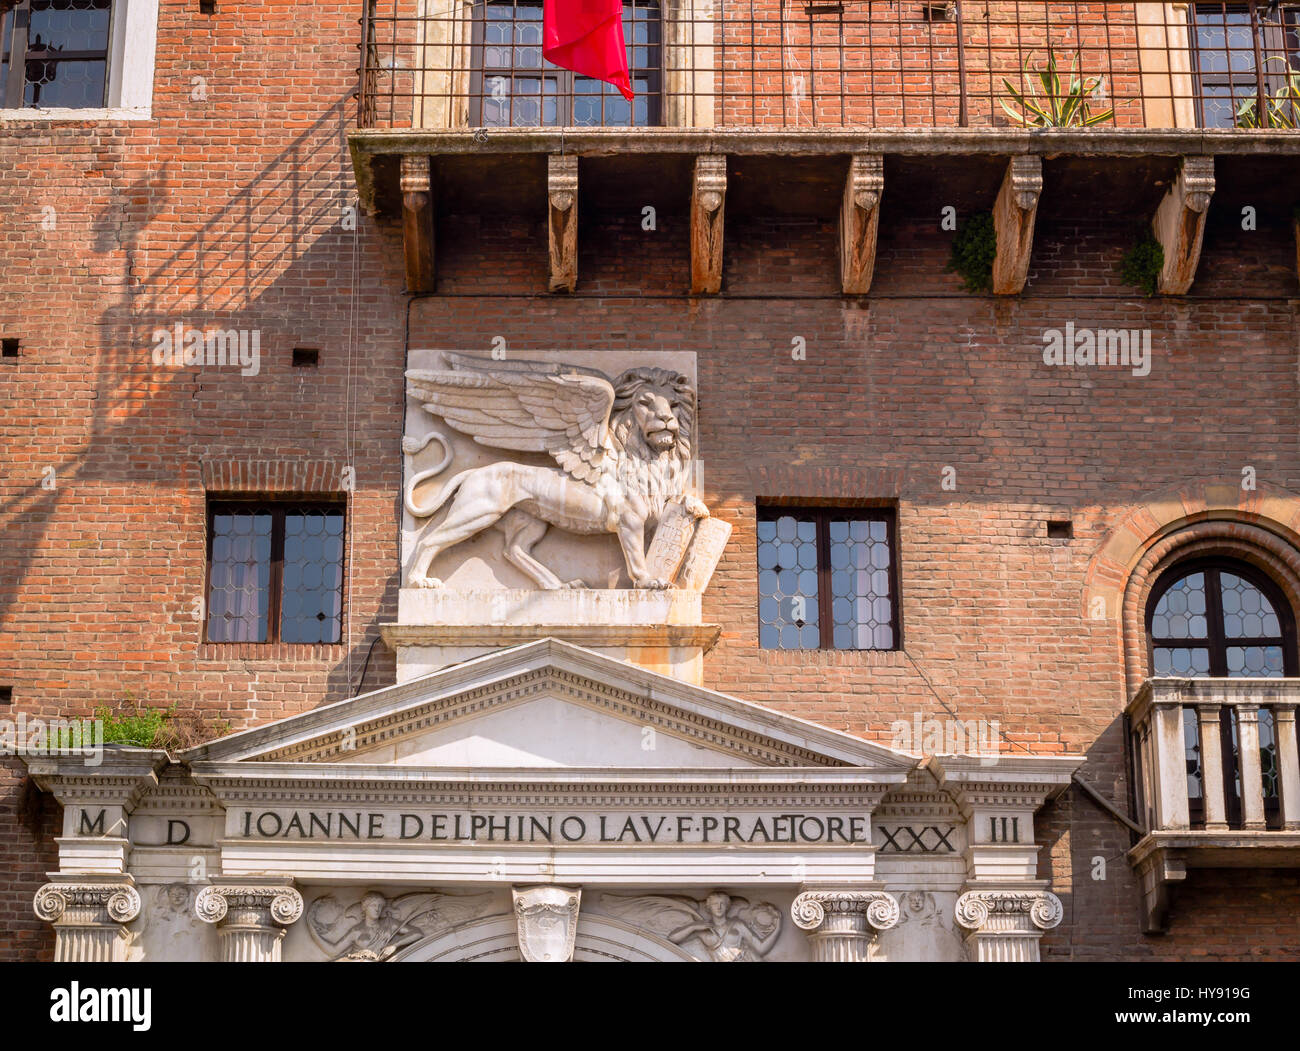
1060	104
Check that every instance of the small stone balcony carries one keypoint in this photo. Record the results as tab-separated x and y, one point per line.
1217	773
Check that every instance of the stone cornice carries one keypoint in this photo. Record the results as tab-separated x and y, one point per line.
123	776
1016	781
1218	692
283	784
753	733
704	636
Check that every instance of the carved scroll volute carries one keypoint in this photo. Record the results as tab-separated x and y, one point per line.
1013	219
1179	224
562	220
708	207
546	919
841	924
860	222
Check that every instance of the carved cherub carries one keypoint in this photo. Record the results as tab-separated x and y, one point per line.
727	929
376	928
623	447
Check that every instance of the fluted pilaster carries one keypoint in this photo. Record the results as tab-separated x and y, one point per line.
89	917
250	917
1005	926
842	924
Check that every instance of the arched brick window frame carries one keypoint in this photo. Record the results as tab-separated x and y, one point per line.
1273	555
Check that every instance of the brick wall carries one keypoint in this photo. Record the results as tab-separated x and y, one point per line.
228	212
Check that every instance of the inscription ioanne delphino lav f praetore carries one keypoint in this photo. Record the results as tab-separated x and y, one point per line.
554	828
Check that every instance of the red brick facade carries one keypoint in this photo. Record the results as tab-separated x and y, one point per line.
231	212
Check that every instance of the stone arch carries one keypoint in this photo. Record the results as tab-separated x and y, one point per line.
1260	527
494	939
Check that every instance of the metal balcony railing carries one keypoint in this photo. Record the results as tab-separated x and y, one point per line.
440	64
1218	755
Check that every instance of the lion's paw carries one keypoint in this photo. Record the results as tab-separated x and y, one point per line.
576	584
653	584
696	508
426	582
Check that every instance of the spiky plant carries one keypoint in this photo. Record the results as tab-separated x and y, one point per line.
1058	105
1281	109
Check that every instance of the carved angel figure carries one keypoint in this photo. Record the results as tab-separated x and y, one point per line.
623	447
727	929
375	928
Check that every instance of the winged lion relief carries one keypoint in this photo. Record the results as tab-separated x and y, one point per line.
621	446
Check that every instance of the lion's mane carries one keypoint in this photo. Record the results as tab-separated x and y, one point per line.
659	477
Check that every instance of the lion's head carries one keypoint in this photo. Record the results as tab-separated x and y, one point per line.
652	420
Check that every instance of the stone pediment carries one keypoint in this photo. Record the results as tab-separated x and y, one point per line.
550	704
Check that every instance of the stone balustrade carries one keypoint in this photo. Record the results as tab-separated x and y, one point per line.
1217	754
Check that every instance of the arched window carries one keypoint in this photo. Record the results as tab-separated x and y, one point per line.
1223	618
1220	618
514	86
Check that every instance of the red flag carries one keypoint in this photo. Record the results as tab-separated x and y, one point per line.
586	36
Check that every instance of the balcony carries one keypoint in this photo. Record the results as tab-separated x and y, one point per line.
827	101
1217	774
808	64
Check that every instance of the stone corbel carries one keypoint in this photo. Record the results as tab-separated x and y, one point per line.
708	206
1160	875
860	222
89	917
1005	924
562	220
1014	213
251	915
1179	224
1295	223
842	924
417	222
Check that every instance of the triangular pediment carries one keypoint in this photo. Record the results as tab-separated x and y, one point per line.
549	704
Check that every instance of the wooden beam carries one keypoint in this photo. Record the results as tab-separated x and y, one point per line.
708	205
417	222
1014	213
562	220
860	222
1179	223
1296	223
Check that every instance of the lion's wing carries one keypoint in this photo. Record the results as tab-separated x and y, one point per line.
526	406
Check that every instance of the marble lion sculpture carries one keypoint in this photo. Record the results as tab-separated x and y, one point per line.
623	447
